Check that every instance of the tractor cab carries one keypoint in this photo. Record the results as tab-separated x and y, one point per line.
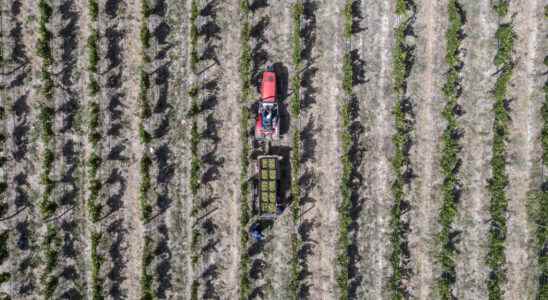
267	126
268	116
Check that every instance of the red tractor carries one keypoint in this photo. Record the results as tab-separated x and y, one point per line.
267	127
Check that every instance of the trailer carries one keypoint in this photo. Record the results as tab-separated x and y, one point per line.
266	195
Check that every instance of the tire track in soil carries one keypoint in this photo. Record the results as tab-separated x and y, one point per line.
66	28
426	82
524	147
21	155
178	212
325	167
479	48
130	85
376	42
274	21
118	221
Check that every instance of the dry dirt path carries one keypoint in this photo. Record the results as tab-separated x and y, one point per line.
375	44
174	153
324	165
130	84
524	147
221	176
425	88
479	48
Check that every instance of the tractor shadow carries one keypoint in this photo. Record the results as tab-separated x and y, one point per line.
285	170
257	4
21	128
117	275
258	53
19	54
308	34
163	268
282	88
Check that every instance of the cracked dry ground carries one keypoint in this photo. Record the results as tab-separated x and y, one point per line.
216	274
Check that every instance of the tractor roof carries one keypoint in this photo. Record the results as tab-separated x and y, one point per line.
268	87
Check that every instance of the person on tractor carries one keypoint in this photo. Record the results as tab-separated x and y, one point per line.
267	118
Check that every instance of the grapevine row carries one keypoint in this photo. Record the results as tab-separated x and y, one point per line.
343	258
194	143
94	160
245	78
51	244
497	183
542	217
4	254
450	151
402	60
147	292
296	242
47	111
3	138
4	236
145	113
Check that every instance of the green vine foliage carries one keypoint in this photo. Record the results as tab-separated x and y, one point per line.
449	159
345	220
50	248
4	254
47	206
147	290
96	262
296	243
145	113
542	213
245	78
402	60
194	59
